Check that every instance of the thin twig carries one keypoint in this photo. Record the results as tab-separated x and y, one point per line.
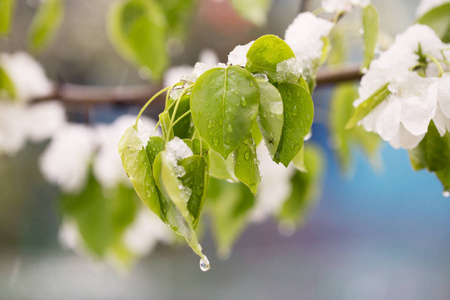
138	94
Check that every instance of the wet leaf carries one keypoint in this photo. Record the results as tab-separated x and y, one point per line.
224	104
266	53
298	116
246	165
270	116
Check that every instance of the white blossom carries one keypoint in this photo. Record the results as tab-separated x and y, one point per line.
27	75
66	160
331	6
13	129
176	73
274	188
427	5
238	56
43	120
107	166
304	36
442	116
145	232
403	118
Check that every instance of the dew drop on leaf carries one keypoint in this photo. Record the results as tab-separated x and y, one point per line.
215	142
243	102
230	128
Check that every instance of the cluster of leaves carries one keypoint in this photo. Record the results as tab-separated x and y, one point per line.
101	217
222	118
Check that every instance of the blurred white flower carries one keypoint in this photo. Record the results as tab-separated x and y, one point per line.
238	56
43	120
66	160
304	36
145	232
108	169
427	5
13	129
342	5
207	60
403	118
27	75
274	188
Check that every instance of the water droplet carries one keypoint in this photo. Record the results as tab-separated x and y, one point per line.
247	155
230	128
204	264
210	124
251	83
215	142
227	140
145	73
294	110
446	194
243	102
252	115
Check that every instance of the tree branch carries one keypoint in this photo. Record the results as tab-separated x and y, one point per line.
138	94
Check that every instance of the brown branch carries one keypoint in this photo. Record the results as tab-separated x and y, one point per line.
138	94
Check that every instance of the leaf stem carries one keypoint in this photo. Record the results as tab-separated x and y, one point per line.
172	119
181	117
148	103
436	62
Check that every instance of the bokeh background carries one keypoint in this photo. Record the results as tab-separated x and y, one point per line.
380	233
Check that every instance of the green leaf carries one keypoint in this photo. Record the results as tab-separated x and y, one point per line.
266	53
224	104
138	166
137	28
185	195
45	24
306	187
438	19
101	216
256	133
298	116
270	116
222	168
183	128
341	110
246	165
299	161
368	105
7	89
230	205
254	11
370	27
178	14
433	152
6	14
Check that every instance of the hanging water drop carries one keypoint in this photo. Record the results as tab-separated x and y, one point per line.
247	155
215	142
204	264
